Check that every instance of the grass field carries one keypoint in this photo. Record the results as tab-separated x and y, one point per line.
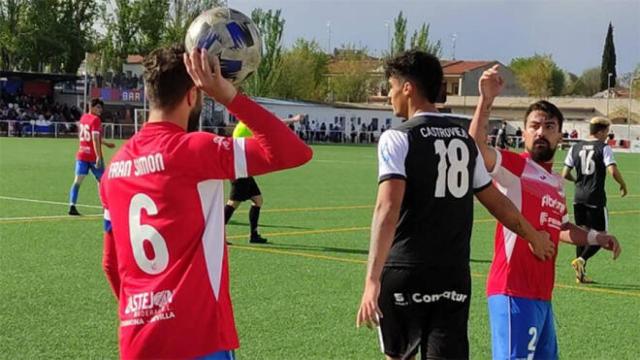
295	298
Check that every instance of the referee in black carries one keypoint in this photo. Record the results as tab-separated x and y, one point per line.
591	158
243	189
418	283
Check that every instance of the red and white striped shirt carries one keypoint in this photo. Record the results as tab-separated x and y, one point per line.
538	193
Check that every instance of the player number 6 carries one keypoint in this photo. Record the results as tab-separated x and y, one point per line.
139	233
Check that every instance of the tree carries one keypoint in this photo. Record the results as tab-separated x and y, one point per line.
608	62
11	16
588	83
152	17
76	20
181	14
538	75
45	35
399	34
557	79
304	72
352	84
123	27
570	81
420	41
270	25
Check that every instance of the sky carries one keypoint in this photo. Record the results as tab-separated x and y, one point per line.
571	31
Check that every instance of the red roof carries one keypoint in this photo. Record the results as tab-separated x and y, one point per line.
459	67
135	59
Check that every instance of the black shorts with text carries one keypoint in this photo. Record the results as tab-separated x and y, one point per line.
425	309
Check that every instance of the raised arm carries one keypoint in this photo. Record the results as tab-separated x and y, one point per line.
273	145
490	85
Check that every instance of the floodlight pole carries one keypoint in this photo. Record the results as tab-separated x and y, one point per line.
608	91
329	43
629	114
85	89
387	24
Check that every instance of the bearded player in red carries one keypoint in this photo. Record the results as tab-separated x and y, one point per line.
519	285
164	250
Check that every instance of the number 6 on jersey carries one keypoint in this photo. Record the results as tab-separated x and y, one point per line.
139	232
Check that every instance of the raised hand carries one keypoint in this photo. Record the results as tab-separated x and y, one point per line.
207	79
491	83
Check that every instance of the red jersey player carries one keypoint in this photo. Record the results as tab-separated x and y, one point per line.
164	250
519	285
89	156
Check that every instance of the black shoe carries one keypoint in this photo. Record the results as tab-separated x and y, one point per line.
257	239
73	211
228	242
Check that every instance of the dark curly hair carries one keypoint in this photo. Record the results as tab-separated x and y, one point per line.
420	68
548	108
166	80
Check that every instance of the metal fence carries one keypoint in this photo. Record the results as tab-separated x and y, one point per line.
15	128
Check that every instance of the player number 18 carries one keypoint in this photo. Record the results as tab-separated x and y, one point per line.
456	176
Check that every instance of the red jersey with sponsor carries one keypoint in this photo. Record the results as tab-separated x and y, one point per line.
88	125
538	193
165	255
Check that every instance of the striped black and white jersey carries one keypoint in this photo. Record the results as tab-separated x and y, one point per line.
442	168
590	159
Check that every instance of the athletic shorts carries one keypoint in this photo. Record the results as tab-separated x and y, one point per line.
425	309
83	167
593	217
522	328
244	189
220	355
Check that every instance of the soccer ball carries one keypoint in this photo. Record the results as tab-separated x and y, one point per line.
232	37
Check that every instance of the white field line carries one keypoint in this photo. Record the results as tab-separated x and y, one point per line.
47	202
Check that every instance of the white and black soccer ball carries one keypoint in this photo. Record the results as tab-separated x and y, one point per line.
232	37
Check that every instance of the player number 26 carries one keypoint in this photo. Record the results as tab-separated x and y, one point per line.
83	132
139	233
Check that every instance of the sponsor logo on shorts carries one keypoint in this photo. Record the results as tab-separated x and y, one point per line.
400	300
419	298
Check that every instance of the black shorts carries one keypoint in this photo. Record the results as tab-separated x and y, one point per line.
244	189
593	217
425	309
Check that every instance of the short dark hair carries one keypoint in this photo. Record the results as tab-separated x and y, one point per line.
548	108
419	67
598	124
166	80
96	101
